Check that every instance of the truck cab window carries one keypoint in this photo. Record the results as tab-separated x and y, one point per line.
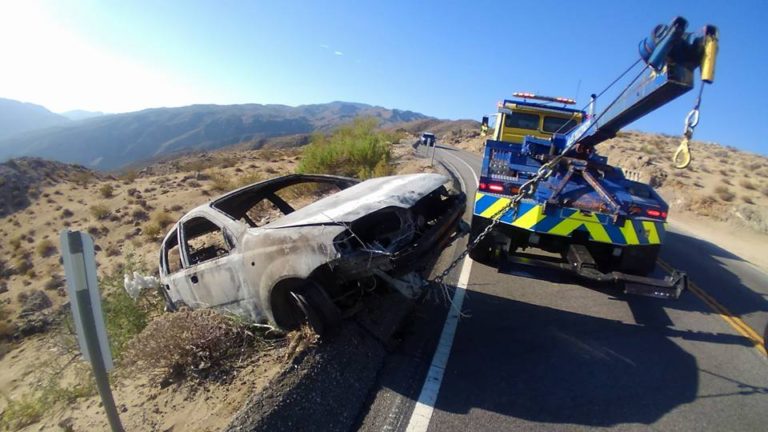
558	124
522	121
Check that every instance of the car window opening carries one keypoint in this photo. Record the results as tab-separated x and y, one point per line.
204	240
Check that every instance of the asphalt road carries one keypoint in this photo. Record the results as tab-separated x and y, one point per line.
537	350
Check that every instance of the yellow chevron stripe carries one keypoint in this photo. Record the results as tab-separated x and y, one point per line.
653	235
494	208
628	231
478	195
597	231
530	218
565	227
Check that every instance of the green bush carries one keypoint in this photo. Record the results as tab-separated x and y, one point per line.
354	150
123	317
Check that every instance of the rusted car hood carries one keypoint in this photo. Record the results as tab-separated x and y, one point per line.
364	198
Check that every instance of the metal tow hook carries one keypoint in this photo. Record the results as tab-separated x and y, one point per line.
682	157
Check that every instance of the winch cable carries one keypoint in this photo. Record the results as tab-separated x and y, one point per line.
608	87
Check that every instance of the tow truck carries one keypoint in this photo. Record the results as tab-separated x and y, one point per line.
544	186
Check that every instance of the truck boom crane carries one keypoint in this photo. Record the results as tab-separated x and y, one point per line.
671	56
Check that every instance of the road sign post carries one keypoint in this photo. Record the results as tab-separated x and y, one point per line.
80	269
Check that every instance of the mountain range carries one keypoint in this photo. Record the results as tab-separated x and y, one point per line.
110	142
18	117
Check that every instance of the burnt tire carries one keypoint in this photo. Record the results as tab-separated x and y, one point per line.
314	308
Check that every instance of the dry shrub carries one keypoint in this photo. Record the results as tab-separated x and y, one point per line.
106	190
159	221
15	242
6	329
724	193
45	248
247	179
99	211
221	182
746	184
129	176
747	199
197	344
704	205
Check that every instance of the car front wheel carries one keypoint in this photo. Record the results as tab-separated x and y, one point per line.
311	306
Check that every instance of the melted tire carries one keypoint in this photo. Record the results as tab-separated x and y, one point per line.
309	315
317	309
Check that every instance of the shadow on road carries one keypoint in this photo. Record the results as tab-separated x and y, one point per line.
547	365
741	293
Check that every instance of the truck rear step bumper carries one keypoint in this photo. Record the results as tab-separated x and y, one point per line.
579	262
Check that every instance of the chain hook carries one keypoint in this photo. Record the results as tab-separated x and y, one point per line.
682	157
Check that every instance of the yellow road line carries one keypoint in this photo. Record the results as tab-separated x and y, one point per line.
734	321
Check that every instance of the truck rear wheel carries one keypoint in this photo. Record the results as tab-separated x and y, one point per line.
639	260
485	251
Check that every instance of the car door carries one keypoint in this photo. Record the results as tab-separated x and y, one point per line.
212	273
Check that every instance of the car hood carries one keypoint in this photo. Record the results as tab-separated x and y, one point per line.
364	198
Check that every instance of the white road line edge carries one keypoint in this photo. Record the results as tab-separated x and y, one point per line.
472	170
425	406
451	167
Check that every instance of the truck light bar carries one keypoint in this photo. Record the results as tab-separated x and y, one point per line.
561	100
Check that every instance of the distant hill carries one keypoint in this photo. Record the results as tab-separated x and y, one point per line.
81	114
17	117
113	141
22	179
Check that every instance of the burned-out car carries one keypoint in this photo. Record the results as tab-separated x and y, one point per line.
256	252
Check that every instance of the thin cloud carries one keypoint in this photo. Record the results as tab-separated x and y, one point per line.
338	53
324	46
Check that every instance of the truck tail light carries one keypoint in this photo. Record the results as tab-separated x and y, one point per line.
658	214
493	187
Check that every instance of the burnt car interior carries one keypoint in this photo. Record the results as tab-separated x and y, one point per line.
204	240
259	204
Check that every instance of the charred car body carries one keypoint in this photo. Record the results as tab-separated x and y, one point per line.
303	264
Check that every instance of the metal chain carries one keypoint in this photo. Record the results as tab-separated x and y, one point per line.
528	187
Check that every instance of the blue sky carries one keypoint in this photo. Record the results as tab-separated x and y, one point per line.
445	59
